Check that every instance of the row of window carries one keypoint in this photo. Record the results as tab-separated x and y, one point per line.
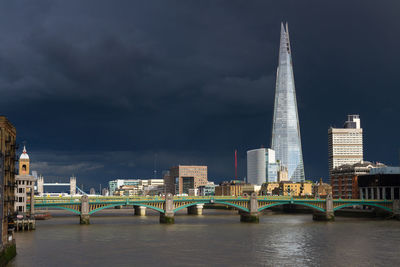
23	182
347	148
338	141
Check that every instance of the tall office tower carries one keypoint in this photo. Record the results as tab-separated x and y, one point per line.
261	166
286	140
345	144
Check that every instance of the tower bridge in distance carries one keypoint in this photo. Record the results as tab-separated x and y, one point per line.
73	189
249	206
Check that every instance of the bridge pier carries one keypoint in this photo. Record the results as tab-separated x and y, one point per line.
32	206
196	209
396	209
252	216
168	216
329	214
140	210
84	216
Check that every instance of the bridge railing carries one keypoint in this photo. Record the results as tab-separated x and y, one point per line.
99	199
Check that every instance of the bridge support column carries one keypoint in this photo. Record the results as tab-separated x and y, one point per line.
84	217
396	209
168	216
196	209
140	210
329	214
32	202
253	215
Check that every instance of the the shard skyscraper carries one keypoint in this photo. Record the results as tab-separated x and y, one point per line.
286	140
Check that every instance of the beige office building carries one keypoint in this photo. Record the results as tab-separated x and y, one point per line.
345	144
181	178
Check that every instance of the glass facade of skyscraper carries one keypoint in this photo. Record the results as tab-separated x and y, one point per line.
272	166
286	140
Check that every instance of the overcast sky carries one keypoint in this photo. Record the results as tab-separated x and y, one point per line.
98	88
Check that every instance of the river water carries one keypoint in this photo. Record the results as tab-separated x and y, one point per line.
217	238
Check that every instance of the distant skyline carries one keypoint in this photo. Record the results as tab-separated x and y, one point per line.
97	89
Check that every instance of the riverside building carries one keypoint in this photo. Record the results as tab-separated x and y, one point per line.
116	184
321	189
344	179
207	190
137	187
181	178
231	188
25	182
7	188
380	183
286	139
345	144
287	188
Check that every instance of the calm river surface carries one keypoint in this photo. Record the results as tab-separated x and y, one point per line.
217	238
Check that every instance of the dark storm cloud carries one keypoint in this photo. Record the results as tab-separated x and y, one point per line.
98	88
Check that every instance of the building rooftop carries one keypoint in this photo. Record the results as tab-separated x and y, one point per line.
385	170
363	165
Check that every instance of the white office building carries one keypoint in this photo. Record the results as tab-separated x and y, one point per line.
146	185
262	166
346	144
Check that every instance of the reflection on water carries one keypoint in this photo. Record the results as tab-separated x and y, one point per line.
116	238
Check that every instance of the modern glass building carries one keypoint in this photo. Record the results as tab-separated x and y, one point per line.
286	140
115	184
272	166
261	166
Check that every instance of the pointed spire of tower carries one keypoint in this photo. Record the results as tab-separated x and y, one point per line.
288	39
24	154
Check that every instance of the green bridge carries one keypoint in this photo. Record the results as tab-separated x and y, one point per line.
249	206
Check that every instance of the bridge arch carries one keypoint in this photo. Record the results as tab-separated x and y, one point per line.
125	204
364	204
63	208
212	202
295	203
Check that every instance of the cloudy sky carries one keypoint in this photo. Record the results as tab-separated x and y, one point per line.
109	89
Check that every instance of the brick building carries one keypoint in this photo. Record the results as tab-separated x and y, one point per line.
181	178
7	184
344	179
